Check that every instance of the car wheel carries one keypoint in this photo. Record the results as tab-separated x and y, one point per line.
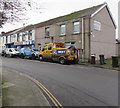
10	55
41	58
5	55
33	57
22	56
62	61
76	61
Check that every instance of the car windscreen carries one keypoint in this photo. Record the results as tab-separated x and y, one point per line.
10	50
16	50
35	50
13	49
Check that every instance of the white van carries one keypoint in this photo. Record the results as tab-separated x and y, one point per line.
11	52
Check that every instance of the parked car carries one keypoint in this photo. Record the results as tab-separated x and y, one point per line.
3	53
11	52
28	52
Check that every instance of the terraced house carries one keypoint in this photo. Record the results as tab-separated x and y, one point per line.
91	30
22	37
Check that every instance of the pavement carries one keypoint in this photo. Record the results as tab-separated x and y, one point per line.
18	90
104	66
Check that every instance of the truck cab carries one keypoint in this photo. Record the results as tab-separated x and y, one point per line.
57	52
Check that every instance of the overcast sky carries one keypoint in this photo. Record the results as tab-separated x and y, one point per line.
55	8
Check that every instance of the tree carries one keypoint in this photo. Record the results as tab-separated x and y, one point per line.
14	10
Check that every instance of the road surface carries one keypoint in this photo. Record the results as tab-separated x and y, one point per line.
72	85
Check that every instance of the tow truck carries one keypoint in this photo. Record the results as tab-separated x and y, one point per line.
57	51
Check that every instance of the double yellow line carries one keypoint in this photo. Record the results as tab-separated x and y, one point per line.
53	99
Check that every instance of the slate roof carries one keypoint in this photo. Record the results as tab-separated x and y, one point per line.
22	29
74	15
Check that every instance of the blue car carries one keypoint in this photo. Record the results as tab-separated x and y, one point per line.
28	52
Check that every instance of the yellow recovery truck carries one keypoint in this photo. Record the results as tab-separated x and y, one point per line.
57	52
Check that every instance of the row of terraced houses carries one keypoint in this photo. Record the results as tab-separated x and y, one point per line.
91	30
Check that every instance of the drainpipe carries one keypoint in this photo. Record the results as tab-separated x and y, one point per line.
89	39
82	39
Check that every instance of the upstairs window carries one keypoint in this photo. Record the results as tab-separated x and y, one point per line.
10	38
47	32
23	38
6	39
13	36
3	39
30	35
18	37
76	27
63	29
97	25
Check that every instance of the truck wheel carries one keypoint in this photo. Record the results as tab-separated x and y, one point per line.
76	61
62	61
41	58
33	57
22	56
8	55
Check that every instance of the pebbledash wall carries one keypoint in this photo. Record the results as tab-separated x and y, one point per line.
103	40
118	47
96	33
91	30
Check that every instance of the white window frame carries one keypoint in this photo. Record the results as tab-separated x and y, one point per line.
47	32
62	29
76	25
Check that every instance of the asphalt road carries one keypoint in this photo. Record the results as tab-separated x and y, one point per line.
72	85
